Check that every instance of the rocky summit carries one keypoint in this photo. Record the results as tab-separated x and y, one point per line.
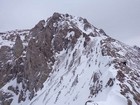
65	60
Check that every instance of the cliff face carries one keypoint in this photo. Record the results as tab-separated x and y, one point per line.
66	60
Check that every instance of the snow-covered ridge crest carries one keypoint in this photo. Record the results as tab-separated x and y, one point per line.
68	61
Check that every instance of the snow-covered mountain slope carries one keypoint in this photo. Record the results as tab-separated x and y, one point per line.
68	61
85	74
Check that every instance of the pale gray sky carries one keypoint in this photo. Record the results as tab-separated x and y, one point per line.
119	18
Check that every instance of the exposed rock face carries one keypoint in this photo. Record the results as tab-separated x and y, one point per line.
18	47
5	55
39	27
62	58
42	48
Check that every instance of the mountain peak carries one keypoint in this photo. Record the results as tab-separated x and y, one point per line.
65	60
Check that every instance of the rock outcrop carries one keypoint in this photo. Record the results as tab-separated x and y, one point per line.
18	47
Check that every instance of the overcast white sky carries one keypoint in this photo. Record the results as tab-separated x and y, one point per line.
119	18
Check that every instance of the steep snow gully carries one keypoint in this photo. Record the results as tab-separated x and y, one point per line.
67	61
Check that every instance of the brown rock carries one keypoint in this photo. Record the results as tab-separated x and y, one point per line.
18	47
